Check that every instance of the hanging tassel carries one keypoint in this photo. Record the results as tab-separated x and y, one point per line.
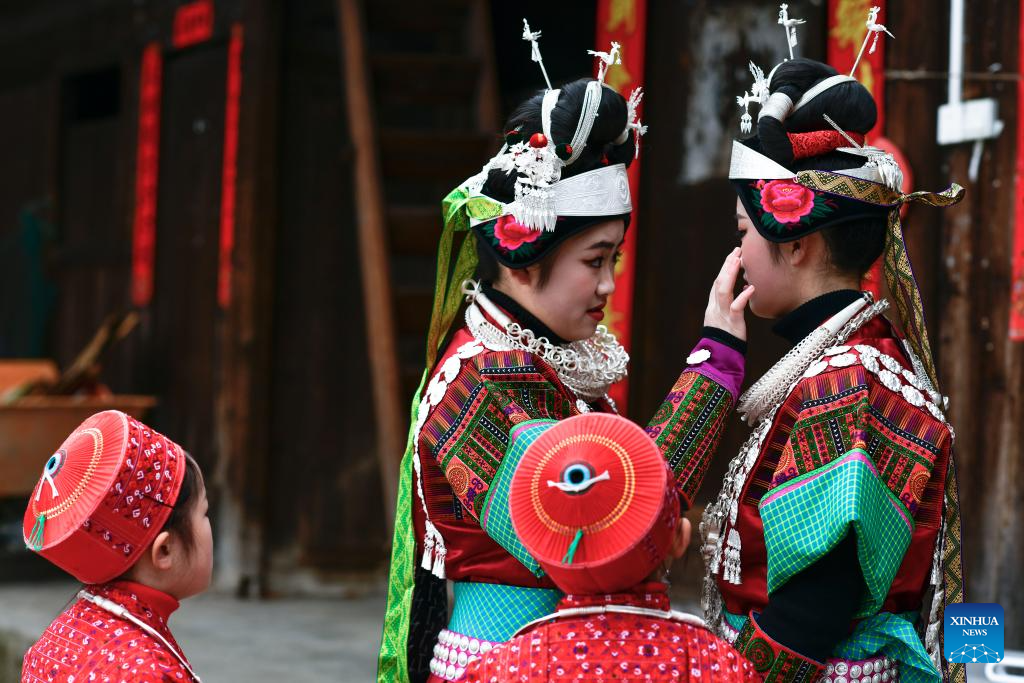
428	552
570	554
746	123
732	558
35	539
439	553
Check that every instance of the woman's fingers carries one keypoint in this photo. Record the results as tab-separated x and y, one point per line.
740	302
725	283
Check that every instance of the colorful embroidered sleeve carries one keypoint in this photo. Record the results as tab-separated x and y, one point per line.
470	431
858	457
690	422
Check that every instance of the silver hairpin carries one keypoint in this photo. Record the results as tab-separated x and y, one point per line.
842	132
532	37
790	26
605	60
874	31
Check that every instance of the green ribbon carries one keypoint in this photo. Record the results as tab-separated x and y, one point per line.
35	537
457	209
570	554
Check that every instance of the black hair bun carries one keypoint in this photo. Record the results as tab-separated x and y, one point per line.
600	149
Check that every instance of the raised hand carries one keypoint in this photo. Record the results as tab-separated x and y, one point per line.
725	311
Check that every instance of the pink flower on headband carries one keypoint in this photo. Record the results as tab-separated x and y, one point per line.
786	201
512	234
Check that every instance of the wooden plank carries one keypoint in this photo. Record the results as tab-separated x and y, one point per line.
243	400
961	257
390	419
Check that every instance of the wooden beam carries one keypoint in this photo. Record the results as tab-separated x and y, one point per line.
373	253
243	401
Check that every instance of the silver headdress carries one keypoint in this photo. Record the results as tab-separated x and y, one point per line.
540	193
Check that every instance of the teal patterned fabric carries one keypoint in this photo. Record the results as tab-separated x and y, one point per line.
495	518
809	515
495	612
894	636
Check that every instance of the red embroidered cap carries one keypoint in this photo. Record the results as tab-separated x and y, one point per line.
593	501
104	496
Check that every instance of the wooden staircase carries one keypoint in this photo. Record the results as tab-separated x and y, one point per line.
435	104
431	107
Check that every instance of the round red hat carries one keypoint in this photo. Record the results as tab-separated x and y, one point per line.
104	496
593	501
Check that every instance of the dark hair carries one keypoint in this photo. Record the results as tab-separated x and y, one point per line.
180	520
488	269
854	246
600	150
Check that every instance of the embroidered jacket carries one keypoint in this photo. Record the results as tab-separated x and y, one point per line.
88	643
614	646
463	444
839	516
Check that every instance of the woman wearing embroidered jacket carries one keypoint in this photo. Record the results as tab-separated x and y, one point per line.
828	532
544	222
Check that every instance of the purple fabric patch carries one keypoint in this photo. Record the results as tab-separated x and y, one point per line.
725	366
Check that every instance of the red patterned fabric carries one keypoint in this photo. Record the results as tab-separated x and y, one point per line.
773	660
614	646
114	487
806	145
893	428
88	643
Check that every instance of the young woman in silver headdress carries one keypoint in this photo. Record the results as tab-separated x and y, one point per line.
838	516
543	224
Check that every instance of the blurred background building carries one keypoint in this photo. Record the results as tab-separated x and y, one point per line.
259	181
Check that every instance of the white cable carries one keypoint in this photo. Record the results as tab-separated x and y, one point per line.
122	612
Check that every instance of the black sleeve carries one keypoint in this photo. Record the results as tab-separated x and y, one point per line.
725	338
811	613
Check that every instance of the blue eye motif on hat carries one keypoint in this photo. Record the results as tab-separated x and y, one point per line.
51	468
577	478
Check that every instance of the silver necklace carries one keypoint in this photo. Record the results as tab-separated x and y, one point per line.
586	367
671	615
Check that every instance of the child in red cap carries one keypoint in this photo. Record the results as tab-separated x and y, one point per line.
594	504
121	508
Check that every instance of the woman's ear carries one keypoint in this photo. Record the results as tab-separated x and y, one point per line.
162	551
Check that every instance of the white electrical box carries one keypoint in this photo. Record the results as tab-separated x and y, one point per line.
969	121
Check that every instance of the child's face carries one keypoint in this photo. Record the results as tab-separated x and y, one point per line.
197	565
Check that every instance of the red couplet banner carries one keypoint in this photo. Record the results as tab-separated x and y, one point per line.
146	165
624	22
1017	283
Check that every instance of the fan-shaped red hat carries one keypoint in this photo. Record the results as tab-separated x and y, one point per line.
593	501
104	496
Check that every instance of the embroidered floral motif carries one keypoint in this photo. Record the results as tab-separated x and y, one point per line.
786	204
512	234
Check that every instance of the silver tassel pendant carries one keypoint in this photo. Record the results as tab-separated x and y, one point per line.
732	571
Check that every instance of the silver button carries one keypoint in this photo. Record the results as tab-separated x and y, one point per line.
450	672
868	668
855	670
831	669
474	646
842	668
